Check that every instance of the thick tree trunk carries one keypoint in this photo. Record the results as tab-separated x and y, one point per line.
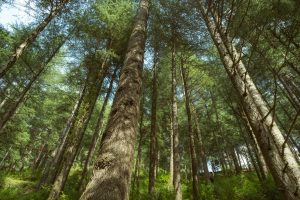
191	134
96	134
177	177
112	170
31	38
153	150
281	162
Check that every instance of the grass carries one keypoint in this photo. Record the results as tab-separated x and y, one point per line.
246	186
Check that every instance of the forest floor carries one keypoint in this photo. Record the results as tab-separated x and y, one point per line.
246	186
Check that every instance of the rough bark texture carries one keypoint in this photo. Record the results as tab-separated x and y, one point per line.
153	151
96	134
280	160
112	170
176	176
191	134
31	38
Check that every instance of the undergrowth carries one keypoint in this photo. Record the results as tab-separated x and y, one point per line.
246	186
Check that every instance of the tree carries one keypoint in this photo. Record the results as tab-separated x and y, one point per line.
112	169
281	164
31	38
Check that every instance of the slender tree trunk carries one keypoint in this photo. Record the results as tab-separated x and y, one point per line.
96	134
5	156
153	150
9	113
235	160
256	168
177	177
50	172
171	154
261	169
260	158
281	162
112	169
31	38
191	134
94	81
239	159
221	154
40	156
136	180
293	96
201	144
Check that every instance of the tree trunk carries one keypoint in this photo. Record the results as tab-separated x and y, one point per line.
31	38
177	177
281	162
96	134
50	172
191	134
112	169
9	113
153	150
136	180
171	154
235	160
5	156
40	156
94	81
201	144
260	158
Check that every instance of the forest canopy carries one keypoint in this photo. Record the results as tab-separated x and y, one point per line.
150	99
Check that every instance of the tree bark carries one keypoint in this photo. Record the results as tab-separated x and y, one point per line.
136	178
153	150
171	154
176	176
191	134
201	144
31	38
96	134
94	81
112	169
281	162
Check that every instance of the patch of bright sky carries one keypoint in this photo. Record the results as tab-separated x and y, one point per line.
15	14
